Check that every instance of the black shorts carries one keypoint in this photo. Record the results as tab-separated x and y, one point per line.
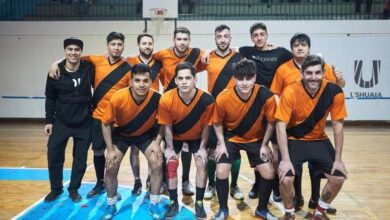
123	143
212	143
320	154
252	151
193	146
97	136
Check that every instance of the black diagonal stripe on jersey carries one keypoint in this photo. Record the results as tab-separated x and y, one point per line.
143	116
225	75
319	111
109	81
193	117
192	57
155	69
253	113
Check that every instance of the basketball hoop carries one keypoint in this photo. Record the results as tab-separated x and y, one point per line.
157	17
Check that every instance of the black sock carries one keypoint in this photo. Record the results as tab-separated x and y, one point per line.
275	187
186	164
298	185
222	186
173	194
99	163
257	179
265	188
315	185
199	194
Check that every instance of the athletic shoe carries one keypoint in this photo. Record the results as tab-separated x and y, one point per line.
172	210
110	212
155	211
118	197
53	195
74	196
222	214
320	217
288	216
264	214
236	193
254	193
187	188
276	198
312	204
298	202
199	210
97	190
210	192
137	189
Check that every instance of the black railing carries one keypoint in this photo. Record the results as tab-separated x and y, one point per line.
57	10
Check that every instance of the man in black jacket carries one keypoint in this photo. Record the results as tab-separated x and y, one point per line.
68	114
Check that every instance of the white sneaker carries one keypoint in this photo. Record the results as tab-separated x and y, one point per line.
187	189
210	192
236	193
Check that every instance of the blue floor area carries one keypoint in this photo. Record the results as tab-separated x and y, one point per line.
130	207
29	174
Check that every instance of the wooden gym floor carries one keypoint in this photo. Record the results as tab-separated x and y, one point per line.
365	194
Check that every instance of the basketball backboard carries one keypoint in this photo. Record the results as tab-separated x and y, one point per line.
149	8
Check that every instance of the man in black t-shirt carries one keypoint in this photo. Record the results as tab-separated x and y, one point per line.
69	114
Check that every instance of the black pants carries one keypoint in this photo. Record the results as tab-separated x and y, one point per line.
56	153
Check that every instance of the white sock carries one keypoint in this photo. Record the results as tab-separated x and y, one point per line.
321	207
111	201
154	199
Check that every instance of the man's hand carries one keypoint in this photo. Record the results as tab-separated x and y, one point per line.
111	158
219	151
48	129
54	71
266	154
205	59
202	153
169	153
340	166
284	167
272	46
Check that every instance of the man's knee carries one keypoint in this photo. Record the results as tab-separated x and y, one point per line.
222	172
288	181
266	170
336	180
171	168
200	163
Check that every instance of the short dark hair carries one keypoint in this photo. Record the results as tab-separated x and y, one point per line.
221	27
181	30
186	65
143	35
140	68
115	36
312	60
300	38
258	25
244	68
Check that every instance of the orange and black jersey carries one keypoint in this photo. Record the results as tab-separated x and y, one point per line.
289	72
187	120
155	68
220	71
132	119
305	115
170	60
242	120
109	78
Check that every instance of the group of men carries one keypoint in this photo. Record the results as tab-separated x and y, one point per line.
238	113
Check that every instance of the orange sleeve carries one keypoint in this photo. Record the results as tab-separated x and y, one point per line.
337	109
87	58
164	111
284	109
109	115
219	111
159	55
277	82
270	108
329	74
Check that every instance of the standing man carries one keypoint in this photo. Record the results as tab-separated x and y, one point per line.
68	114
185	112
237	119
286	74
301	114
220	77
170	58
130	120
267	61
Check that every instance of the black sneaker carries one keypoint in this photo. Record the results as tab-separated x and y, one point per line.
172	210
199	210
74	196
97	190
53	195
276	198
254	193
298	202
313	205
137	189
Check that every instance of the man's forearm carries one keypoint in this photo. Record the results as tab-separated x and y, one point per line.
282	140
205	137
338	138
106	130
